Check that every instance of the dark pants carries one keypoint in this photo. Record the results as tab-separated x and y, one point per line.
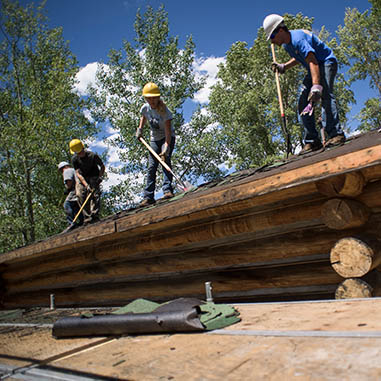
91	209
330	114
149	191
71	209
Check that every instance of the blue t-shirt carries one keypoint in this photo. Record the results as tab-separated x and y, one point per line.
302	42
157	121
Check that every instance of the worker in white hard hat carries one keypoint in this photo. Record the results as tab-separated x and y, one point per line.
307	49
159	118
71	205
90	170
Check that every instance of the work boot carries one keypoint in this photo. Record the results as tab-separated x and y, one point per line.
168	195
147	201
335	141
309	147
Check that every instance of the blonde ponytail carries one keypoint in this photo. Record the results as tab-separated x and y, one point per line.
161	108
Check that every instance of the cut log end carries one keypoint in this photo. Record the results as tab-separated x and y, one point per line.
353	288
346	185
351	257
342	214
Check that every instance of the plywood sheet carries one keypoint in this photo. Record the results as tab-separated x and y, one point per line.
234	353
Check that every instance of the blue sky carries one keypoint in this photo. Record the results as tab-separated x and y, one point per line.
93	27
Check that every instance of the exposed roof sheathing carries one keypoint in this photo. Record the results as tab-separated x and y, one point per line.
305	340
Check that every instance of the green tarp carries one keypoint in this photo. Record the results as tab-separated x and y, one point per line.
211	315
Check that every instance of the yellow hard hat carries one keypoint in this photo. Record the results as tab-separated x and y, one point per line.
76	146
151	90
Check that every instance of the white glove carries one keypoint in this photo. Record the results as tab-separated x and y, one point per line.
164	150
139	133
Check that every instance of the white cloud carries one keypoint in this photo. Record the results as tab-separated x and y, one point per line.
86	77
88	116
113	155
113	179
207	67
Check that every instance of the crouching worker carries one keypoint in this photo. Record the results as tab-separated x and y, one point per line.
159	118
71	205
89	169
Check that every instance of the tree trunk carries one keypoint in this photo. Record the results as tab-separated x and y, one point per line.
29	202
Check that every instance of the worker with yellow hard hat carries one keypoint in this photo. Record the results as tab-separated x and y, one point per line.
89	169
157	115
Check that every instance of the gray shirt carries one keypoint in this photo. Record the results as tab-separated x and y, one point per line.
69	174
157	121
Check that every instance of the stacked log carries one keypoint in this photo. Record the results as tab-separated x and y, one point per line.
271	254
270	238
357	260
353	258
346	185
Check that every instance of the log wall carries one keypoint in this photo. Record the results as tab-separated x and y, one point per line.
262	237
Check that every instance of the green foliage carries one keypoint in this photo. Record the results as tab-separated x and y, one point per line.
370	116
361	49
39	114
202	148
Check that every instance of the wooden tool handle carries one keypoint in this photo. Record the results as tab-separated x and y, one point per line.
82	206
277	83
162	162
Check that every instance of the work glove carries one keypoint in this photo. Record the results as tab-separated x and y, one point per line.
88	188
139	133
164	150
315	93
308	110
276	67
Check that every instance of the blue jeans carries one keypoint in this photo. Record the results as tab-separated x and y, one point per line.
330	115
71	209
149	191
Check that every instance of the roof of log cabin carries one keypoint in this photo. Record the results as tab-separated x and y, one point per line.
352	144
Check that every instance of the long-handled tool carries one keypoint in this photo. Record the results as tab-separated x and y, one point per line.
284	126
79	212
184	185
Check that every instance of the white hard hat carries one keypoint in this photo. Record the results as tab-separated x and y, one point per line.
270	23
63	164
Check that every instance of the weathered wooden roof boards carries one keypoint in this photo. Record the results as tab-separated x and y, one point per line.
261	234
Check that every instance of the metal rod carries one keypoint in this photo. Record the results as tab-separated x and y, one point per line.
52	302
208	290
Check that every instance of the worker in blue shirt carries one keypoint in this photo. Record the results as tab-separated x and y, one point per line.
321	64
